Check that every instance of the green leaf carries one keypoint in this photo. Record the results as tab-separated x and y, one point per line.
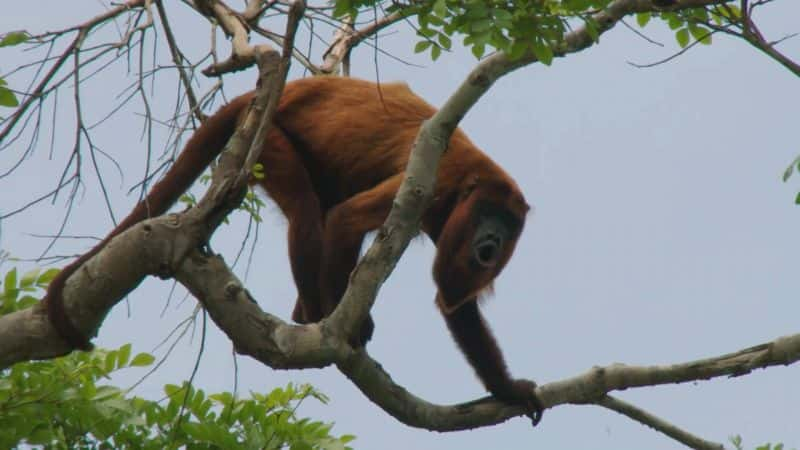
543	53
702	35
518	49
48	276
699	14
440	8
26	302
436	21
258	171
790	169
10	282
14	38
481	25
123	355
643	18
797	199
478	50
716	17
7	98
729	12
445	41
482	38
673	21
475	10
142	360
29	278
427	32
682	36
342	8
110	361
502	15
436	52
422	46
106	393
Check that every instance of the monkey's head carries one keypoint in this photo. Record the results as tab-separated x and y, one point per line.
477	240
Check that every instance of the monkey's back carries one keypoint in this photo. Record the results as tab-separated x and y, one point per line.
354	134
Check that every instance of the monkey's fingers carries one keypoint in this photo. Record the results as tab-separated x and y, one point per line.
535	411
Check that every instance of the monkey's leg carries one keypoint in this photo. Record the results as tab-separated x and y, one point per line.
345	227
287	181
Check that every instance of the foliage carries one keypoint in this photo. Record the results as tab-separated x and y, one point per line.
789	172
7	96
16	291
687	23
251	204
529	26
738	445
516	28
59	404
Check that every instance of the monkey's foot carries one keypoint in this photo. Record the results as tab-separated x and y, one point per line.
364	335
523	392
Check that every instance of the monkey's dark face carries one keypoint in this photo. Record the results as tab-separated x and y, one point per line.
496	232
475	245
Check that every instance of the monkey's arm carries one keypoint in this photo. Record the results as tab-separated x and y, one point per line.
475	339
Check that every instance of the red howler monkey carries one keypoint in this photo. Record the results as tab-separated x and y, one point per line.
333	162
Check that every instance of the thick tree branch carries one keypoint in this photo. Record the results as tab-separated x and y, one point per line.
282	346
169	245
107	277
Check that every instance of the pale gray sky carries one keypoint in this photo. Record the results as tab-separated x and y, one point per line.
661	233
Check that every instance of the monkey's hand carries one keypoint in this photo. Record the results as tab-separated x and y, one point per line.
523	392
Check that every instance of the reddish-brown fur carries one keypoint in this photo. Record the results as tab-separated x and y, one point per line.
333	162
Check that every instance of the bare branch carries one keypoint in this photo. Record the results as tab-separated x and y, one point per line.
242	53
347	37
658	424
83	29
178	59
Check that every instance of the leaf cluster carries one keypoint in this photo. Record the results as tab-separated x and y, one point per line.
688	23
264	421
60	404
738	444
516	27
251	204
16	291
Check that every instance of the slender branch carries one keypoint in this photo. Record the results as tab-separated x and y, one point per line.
178	59
347	37
658	424
83	29
753	35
